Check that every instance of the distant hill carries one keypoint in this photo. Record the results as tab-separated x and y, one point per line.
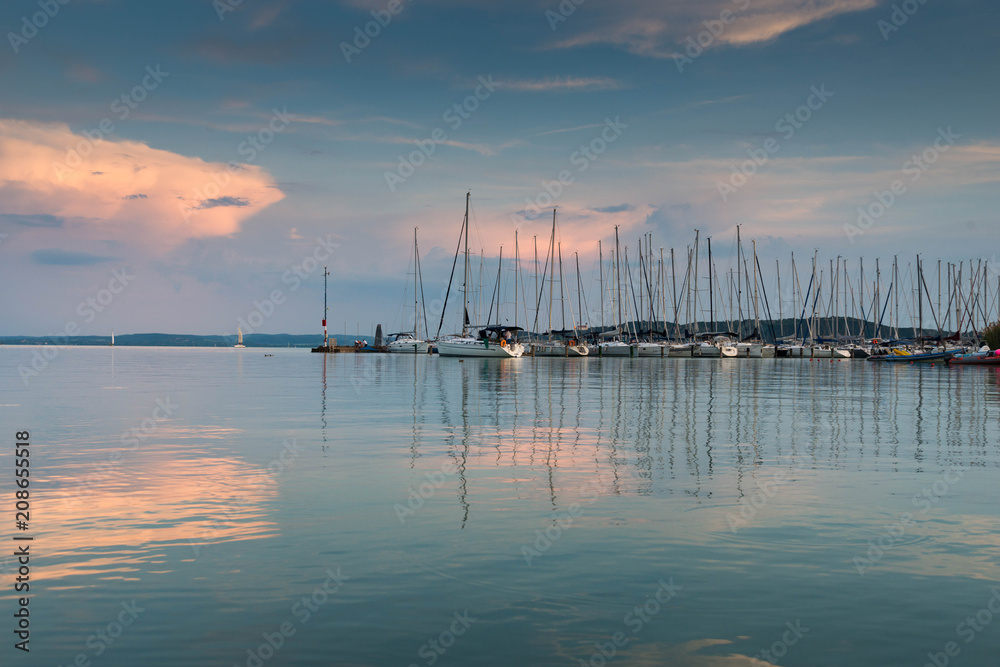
825	327
185	340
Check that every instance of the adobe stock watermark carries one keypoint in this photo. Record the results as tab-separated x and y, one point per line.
425	491
294	276
898	17
223	7
566	9
581	158
755	501
434	648
779	648
130	441
30	27
122	107
88	309
453	116
696	45
208	194
635	620
372	29
915	168
787	125
928	497
231	513
302	611
967	631
561	522
105	637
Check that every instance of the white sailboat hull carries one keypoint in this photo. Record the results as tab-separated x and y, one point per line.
707	350
559	350
650	350
409	347
476	347
615	349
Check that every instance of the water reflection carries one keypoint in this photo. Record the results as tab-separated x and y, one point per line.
113	519
700	429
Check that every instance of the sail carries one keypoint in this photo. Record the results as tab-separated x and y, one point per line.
378	335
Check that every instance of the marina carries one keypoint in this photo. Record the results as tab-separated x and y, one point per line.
835	321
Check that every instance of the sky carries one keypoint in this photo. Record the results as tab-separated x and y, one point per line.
190	167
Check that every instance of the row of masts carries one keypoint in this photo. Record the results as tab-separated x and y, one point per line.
655	295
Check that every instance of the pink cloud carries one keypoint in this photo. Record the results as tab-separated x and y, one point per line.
124	191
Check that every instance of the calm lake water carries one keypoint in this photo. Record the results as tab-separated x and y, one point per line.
189	504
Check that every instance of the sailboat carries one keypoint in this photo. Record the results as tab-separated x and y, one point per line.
406	341
239	338
112	344
567	345
612	345
494	342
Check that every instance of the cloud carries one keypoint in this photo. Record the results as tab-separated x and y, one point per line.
56	257
661	30
173	194
223	201
569	84
266	16
84	73
614	209
569	129
36	220
481	148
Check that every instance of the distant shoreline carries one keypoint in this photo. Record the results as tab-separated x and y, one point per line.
183	340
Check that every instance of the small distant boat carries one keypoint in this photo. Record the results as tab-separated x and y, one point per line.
112	344
239	338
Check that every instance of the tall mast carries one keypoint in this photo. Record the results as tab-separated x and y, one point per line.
465	284
920	304
673	287
420	278
562	294
711	301
663	294
416	304
781	319
539	295
517	268
552	263
579	293
618	277
739	283
696	244
326	337
600	266
756	312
